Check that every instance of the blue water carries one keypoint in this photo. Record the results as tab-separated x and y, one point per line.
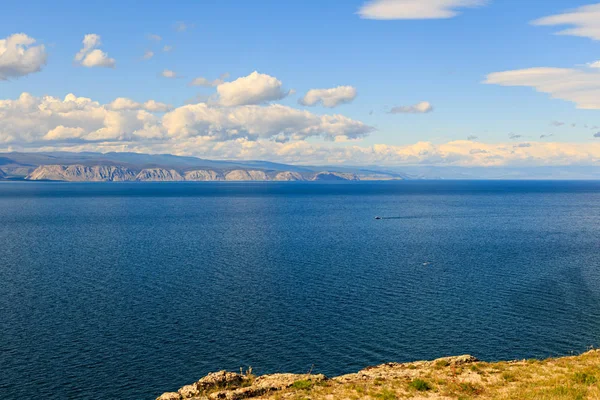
124	291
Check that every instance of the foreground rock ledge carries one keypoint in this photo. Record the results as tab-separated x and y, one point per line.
463	377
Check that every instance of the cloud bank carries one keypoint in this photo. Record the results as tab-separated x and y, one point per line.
34	120
415	9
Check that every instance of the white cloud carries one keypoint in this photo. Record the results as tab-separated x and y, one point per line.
167	73
273	132
19	56
419	108
123	103
156	38
167	48
148	55
33	120
89	56
255	88
581	87
454	153
253	122
204	82
595	64
415	9
156	106
329	97
584	21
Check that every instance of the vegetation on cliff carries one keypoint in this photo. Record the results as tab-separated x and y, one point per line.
464	377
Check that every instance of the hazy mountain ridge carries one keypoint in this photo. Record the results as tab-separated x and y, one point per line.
119	167
100	173
88	166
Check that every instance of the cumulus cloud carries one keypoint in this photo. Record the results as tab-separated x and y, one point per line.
123	103
581	87
201	81
455	153
90	56
415	9
329	97
583	21
167	73
255	88
253	122
419	108
19	56
30	119
148	55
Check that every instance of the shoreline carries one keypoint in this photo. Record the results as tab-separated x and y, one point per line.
461	377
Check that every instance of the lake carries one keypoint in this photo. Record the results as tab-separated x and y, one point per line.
128	290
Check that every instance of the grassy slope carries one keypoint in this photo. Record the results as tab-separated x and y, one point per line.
576	377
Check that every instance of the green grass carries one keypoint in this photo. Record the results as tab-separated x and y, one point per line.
302	384
420	385
386	394
584	378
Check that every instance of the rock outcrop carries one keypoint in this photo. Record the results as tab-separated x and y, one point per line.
244	175
112	173
203	175
158	175
463	377
288	176
233	386
81	173
335	176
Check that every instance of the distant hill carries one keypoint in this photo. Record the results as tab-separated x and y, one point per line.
88	166
101	167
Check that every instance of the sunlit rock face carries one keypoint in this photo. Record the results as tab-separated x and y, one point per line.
288	176
81	173
203	175
335	176
158	175
243	175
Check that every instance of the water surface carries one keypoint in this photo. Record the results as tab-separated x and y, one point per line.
124	291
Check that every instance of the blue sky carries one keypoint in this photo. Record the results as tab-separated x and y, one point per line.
316	45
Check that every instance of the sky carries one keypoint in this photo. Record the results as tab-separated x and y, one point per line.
356	82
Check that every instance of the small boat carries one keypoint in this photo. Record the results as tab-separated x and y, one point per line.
377	217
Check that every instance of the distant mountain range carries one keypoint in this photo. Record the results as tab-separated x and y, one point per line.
87	166
119	167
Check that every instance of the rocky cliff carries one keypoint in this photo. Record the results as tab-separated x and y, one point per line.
80	173
288	176
335	176
244	175
203	175
105	173
158	175
463	377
